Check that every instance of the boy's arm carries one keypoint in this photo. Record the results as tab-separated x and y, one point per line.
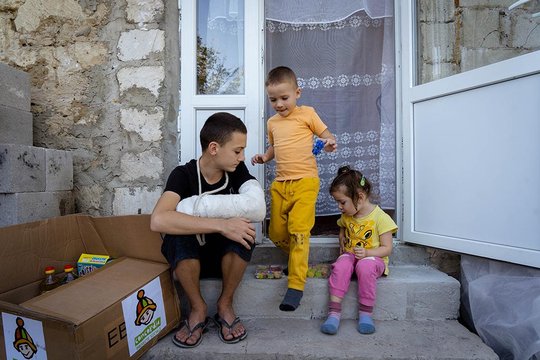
329	141
248	203
165	219
263	158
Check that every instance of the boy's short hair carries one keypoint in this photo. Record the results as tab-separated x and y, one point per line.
280	75
219	127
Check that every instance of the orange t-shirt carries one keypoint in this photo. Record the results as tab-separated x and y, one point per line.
292	138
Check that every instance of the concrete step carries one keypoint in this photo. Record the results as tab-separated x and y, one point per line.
402	253
411	292
288	338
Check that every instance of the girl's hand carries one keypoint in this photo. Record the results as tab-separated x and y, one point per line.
360	252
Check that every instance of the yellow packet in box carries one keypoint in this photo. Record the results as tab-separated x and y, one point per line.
89	262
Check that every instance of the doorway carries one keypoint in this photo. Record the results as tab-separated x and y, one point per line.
343	56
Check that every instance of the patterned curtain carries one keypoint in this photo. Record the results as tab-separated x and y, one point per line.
344	61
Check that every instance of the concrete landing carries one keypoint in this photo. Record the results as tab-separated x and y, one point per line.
301	339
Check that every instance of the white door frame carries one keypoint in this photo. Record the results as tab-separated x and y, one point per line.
512	76
194	109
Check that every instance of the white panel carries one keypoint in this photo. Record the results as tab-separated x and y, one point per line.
476	158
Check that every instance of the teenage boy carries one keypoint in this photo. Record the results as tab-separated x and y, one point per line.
218	243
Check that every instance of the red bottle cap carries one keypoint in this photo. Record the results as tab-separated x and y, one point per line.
68	268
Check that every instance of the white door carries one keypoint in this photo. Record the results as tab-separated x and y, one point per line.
221	70
471	141
221	42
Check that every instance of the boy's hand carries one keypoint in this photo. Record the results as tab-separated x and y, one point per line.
240	230
330	145
258	159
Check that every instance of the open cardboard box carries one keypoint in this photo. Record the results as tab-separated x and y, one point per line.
116	312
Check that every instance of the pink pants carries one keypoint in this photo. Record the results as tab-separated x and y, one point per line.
368	270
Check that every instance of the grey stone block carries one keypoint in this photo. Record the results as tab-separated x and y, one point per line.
135	200
22	168
59	170
14	88
15	126
33	206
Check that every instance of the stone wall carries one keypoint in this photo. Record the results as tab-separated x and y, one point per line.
105	85
460	35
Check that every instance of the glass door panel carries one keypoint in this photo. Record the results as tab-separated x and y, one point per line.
455	37
220	47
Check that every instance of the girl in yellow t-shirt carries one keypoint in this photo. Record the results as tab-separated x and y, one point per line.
365	239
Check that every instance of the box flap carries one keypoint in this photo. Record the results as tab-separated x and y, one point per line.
129	236
28	248
88	296
21	294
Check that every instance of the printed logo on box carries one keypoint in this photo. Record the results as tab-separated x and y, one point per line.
24	338
144	314
89	262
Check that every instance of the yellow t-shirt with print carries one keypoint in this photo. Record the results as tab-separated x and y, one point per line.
366	231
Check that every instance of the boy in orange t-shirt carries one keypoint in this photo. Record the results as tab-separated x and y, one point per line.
296	186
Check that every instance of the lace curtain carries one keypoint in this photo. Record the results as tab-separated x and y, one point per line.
343	55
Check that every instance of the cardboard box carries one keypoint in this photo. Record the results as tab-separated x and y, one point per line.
116	312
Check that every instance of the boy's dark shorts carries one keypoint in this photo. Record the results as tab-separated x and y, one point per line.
181	247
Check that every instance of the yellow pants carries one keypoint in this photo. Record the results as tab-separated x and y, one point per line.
292	216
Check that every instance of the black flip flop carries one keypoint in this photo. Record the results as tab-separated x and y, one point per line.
220	323
183	344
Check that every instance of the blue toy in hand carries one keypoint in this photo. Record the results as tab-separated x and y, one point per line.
317	147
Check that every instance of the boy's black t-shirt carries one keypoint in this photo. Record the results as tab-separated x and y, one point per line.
183	180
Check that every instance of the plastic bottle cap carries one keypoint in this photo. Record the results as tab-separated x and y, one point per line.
49	270
68	268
